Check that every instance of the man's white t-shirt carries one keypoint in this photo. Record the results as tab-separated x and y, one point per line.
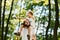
24	33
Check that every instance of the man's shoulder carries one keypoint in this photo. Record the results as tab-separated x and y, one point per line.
31	27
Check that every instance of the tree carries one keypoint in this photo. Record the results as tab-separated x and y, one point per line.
48	21
0	12
6	31
3	19
56	21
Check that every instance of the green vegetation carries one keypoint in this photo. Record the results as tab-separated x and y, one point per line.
46	12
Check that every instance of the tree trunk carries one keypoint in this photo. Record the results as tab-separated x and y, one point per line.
56	21
48	21
6	31
3	19
0	13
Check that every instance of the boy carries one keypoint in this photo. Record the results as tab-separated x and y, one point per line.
30	17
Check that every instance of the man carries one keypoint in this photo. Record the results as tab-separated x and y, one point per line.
26	30
31	18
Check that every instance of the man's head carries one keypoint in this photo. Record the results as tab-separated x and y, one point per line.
26	23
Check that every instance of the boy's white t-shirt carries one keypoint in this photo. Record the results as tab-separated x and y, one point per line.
32	22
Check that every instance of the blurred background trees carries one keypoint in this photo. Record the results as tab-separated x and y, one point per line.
46	12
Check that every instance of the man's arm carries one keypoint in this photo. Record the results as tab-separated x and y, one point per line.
20	29
33	34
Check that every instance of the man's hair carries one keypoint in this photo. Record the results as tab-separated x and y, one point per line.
25	24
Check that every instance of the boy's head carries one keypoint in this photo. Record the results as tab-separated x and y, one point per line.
29	13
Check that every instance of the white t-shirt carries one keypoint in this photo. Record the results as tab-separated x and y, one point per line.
32	22
24	33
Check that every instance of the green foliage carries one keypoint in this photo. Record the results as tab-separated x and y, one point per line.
21	12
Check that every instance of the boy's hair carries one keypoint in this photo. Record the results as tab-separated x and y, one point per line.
30	12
